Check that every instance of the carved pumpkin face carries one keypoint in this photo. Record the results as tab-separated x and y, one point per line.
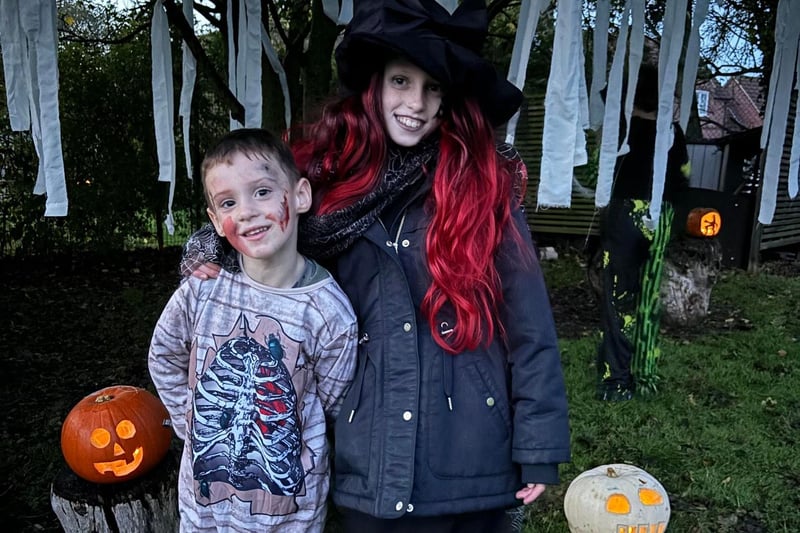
616	498
703	222
115	434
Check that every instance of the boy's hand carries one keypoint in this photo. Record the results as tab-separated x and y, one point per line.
530	492
207	271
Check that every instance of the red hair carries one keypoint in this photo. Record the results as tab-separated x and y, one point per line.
345	152
470	203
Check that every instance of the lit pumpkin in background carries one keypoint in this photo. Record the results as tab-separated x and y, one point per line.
115	434
703	222
616	498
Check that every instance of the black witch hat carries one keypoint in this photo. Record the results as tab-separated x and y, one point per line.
448	47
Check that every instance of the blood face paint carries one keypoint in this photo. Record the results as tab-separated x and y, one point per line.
229	226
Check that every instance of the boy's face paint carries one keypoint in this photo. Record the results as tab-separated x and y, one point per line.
255	205
411	100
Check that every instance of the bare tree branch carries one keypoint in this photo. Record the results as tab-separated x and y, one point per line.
176	19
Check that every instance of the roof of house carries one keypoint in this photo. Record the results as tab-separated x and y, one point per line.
735	106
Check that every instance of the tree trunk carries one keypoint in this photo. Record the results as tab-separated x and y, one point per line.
691	268
148	504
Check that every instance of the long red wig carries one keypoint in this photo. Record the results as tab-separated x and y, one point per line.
471	202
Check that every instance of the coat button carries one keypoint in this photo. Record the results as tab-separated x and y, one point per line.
407	416
410	508
490	401
399	506
407	327
405	243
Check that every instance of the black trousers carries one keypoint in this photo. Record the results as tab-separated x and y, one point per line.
493	521
626	247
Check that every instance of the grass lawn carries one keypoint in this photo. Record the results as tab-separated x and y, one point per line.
721	434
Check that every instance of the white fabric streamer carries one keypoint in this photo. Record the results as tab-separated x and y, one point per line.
346	13
599	63
163	104
795	154
234	124
690	64
34	24
526	29
668	58
331	9
272	55
635	52
773	135
250	57
610	136
562	109
340	16
188	79
16	69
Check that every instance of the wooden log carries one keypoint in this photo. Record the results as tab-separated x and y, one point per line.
148	504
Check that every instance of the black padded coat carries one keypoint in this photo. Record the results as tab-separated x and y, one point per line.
425	432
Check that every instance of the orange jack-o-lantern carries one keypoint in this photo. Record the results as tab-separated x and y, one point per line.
616	498
703	222
115	434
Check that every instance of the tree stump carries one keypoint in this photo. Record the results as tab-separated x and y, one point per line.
148	504
691	268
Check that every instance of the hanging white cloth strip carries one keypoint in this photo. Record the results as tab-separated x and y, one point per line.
244	62
778	101
635	51
668	60
562	109
450	5
234	124
30	63
16	68
773	135
610	133
526	29
331	9
342	16
690	64
163	104
189	76
599	63
278	68
346	13
250	57
795	153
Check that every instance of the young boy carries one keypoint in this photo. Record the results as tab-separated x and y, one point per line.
249	364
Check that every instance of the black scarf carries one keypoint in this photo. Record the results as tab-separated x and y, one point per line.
328	235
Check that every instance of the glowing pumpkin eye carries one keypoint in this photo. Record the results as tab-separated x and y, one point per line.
126	429
650	497
618	504
100	438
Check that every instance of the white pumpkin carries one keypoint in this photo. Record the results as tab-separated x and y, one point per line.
616	498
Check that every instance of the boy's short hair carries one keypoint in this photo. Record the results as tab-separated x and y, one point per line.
250	142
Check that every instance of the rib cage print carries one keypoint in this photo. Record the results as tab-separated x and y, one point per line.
246	431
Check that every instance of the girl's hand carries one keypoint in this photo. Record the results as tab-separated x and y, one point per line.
207	271
530	492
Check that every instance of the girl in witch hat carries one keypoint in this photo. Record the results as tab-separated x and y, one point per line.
458	410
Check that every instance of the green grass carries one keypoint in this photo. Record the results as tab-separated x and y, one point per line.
720	435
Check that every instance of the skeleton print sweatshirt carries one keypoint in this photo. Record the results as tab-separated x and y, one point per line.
249	374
